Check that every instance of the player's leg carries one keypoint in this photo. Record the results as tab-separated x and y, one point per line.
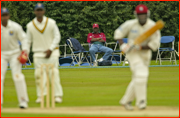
58	91
92	52
140	71
140	84
38	61
129	96
4	64
107	51
19	81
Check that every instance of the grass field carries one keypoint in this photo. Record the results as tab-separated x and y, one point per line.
98	87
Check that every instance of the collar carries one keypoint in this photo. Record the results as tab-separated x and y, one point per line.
8	24
98	32
43	21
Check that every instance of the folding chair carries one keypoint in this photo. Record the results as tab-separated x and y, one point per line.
116	55
77	55
66	61
165	40
178	50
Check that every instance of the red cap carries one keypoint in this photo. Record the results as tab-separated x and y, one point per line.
141	9
95	25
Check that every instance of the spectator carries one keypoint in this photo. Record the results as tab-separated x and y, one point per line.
97	39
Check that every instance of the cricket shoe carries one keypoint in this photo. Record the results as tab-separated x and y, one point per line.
142	105
58	99
38	100
128	106
23	105
94	64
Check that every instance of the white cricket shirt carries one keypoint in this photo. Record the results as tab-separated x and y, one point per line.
132	29
43	36
10	35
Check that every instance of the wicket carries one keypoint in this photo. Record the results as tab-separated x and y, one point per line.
48	68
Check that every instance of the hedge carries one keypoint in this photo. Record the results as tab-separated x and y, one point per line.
75	18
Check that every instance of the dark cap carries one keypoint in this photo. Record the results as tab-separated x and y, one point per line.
4	10
39	6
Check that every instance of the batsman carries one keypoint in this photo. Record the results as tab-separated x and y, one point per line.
138	54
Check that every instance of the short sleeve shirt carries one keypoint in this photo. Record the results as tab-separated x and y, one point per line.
98	35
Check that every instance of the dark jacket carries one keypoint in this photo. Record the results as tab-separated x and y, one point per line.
74	43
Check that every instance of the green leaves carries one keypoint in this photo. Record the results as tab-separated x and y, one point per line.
75	18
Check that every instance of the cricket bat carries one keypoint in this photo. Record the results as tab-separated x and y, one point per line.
159	25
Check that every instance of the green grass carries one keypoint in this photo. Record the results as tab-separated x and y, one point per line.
153	62
100	87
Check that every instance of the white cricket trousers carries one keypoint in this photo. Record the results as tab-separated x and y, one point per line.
137	88
18	77
38	61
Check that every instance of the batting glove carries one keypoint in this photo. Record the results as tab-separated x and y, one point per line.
125	47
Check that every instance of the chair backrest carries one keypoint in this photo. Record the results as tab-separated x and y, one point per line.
167	39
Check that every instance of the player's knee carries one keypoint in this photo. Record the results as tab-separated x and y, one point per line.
37	73
140	81
56	71
141	71
18	77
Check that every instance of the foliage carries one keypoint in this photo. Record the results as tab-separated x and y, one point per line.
75	18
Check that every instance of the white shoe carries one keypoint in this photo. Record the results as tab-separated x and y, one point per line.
38	100
94	64
100	60
58	99
23	105
127	106
142	105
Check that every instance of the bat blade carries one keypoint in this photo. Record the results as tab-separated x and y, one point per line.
159	25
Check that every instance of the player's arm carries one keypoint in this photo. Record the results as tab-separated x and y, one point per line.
55	43
23	57
23	39
120	33
29	38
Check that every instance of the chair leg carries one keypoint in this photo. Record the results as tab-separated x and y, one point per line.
157	56
160	58
171	56
174	57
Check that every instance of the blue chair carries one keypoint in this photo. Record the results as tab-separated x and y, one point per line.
85	61
77	56
66	61
165	40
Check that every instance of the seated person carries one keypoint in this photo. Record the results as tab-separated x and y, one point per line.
97	39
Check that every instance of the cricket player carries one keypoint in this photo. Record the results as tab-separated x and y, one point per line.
44	35
139	57
11	33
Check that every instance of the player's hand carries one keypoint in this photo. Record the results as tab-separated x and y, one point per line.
48	53
23	57
137	47
125	47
